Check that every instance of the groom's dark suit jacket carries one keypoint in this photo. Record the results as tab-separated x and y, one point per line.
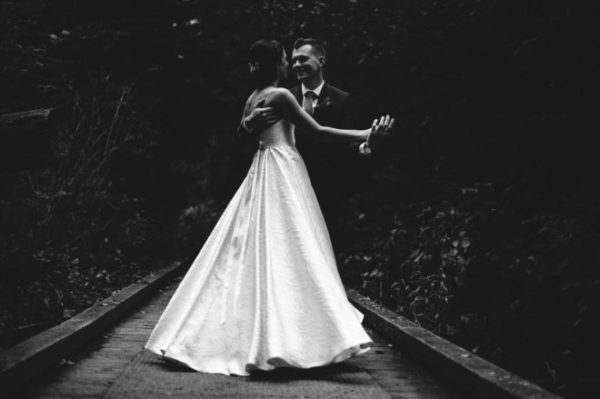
329	162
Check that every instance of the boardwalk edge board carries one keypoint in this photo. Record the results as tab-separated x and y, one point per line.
29	358
475	375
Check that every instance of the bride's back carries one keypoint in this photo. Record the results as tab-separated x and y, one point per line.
281	133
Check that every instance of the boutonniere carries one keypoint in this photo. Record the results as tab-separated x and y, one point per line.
324	103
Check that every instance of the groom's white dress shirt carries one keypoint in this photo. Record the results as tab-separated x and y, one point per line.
315	99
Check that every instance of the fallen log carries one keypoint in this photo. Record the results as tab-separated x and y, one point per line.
25	139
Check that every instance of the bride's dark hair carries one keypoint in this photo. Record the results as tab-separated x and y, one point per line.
264	58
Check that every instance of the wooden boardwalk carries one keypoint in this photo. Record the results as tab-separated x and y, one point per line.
117	366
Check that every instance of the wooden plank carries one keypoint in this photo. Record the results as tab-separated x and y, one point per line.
481	378
402	377
12	336
96	365
29	358
14	118
94	390
405	381
110	353
54	395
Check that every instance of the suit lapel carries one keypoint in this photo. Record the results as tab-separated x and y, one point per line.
324	92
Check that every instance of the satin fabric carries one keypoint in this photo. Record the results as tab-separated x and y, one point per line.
264	291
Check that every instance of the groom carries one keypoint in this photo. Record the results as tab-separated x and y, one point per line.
328	162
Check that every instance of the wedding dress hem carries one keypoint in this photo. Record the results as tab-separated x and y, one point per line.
337	355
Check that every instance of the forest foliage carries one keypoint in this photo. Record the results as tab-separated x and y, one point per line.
479	220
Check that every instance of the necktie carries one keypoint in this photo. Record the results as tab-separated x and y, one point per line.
307	103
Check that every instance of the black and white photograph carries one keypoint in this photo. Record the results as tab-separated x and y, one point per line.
395	199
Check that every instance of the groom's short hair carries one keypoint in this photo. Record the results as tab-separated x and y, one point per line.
317	45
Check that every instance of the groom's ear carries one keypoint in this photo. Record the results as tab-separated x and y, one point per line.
322	60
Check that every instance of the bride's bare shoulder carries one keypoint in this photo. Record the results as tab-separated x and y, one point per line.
279	94
267	97
281	91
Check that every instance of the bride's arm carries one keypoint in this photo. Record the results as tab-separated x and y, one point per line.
284	101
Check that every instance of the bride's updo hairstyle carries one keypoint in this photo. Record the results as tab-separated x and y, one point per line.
264	58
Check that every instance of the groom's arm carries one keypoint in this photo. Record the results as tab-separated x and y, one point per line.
350	110
355	115
258	120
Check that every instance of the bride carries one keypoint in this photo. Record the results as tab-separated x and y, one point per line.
264	291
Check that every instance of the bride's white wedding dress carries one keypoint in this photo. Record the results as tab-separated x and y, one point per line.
264	291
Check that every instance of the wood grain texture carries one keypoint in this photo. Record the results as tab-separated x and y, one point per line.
475	375
116	364
27	359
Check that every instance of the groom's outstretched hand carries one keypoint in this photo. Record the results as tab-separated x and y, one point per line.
380	132
261	118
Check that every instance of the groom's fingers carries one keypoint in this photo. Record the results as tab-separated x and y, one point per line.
391	123
268	112
376	125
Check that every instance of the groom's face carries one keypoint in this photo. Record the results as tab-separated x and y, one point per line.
306	62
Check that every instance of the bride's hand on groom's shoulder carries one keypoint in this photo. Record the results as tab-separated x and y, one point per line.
381	129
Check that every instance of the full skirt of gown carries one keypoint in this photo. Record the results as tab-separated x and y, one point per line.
264	291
